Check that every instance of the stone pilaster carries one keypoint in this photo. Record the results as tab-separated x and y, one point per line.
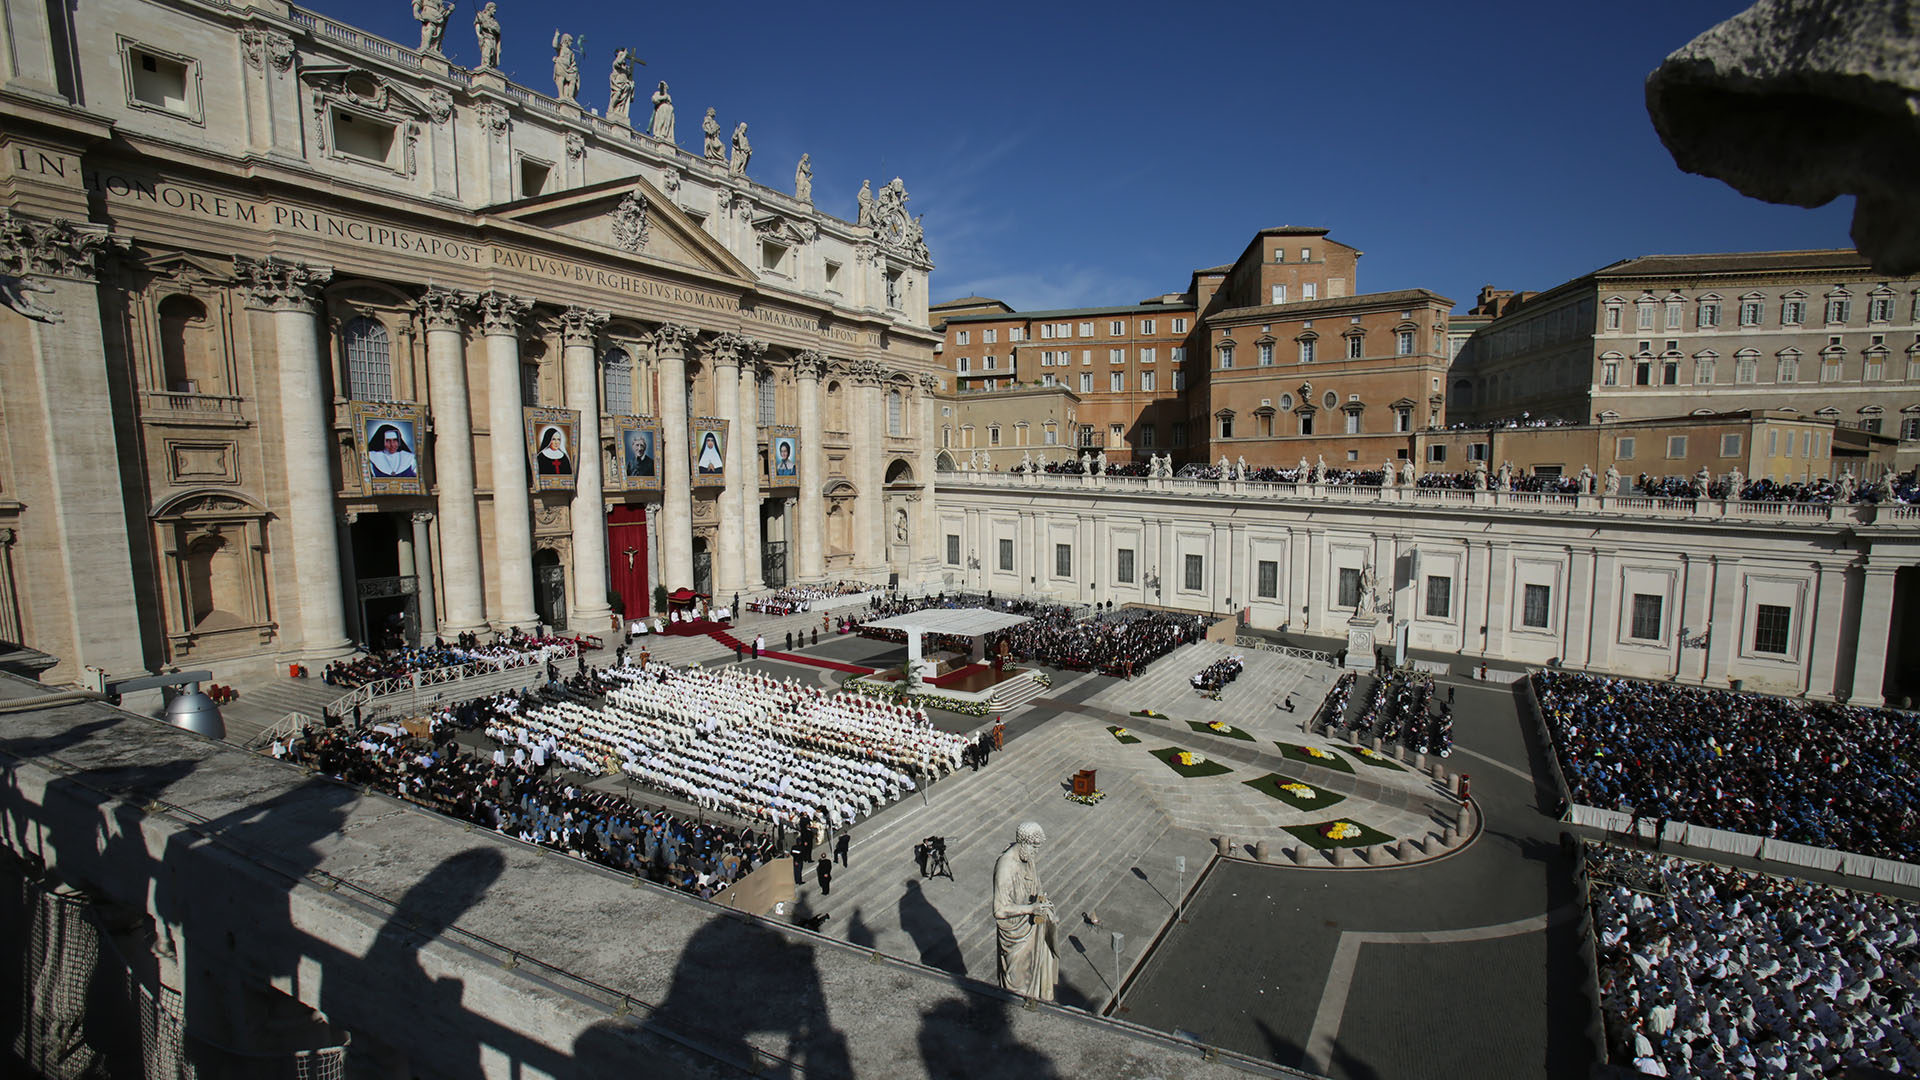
288	291
579	331
868	422
1871	633
746	435
930	544
500	316
423	572
676	478
810	555
722	355
442	312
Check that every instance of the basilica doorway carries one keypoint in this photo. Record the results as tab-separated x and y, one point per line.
550	588
627	558
702	567
386	590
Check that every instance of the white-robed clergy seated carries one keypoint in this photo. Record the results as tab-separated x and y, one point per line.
1029	963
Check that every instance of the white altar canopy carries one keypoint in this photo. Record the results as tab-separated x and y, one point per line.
964	622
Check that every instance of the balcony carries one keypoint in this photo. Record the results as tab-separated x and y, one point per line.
176	406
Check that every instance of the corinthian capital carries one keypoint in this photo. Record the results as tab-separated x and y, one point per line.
810	364
724	349
57	248
670	339
276	284
444	309
929	383
500	313
579	326
867	372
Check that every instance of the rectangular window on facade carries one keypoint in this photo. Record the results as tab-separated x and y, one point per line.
1839	310
1403	343
1306	351
1179	381
1306	423
1746	370
1751	312
1146	382
1116	434
993	363
989	336
1643	374
1676	446
1355	348
1226	357
1793	312
166	83
1116	381
1831	370
1609	374
1086	382
1676	310
1147	436
1880	309
1006	554
1116	328
1196	570
953	549
1016	333
1046	380
1439	598
1436	453
1613	316
1086	329
1730	445
1646	617
1403	420
1148	356
1267	579
1278	294
1179	432
1670	373
1353	423
530	384
1349	586
1116	356
965	365
1787	369
1266	354
1309	290
1046	331
1179	326
1709	314
1123	566
1910	429
1063	560
1536	606
1146	326
1645	312
1226	427
963	337
1703	372
1770	625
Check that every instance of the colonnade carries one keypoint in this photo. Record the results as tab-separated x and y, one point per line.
736	364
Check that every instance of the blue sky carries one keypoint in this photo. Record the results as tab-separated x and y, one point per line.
1070	155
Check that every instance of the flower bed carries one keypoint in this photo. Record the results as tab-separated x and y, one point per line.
1149	714
1373	758
1313	755
1086	800
1189	764
1298	795
1219	728
1123	734
1354	834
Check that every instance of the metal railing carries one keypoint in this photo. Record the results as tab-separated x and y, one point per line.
1315	655
181	401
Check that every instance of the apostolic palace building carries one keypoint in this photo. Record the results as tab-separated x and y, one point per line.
314	339
317	337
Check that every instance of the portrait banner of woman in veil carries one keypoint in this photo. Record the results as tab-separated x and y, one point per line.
388	447
709	450
552	445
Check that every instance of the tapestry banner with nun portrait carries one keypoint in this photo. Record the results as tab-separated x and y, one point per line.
551	442
639	452
709	451
783	454
388	441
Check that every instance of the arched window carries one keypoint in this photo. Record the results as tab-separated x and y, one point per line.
766	403
896	410
183	340
369	369
616	372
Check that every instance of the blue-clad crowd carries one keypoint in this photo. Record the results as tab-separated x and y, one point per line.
1829	775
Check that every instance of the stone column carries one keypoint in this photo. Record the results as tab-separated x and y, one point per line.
287	290
811	540
500	317
423	572
931	550
350	578
11	625
868	430
1870	641
1723	625
746	436
579	328
722	355
1828	630
453	473
676	477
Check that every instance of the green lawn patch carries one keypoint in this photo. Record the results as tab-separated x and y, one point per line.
1374	758
1314	835
1209	767
1293	752
1271	784
1123	734
1231	732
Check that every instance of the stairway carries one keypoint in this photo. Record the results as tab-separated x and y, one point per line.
1015	692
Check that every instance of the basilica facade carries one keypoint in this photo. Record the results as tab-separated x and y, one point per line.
316	339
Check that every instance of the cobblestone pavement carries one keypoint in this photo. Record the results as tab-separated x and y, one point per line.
1460	967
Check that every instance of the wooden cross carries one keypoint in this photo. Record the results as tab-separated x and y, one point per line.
630	553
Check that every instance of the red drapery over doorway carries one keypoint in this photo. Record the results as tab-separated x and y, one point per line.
627	558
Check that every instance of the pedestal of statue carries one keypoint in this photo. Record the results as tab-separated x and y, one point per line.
1362	631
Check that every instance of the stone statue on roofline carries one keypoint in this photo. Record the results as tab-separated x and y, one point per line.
1613	479
1586	479
566	68
1407	474
432	16
1100	463
662	126
742	151
1846	488
714	150
486	27
1240	468
803	179
1702	482
620	88
1736	483
1386	474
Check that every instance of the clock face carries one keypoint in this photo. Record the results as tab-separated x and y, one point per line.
895	231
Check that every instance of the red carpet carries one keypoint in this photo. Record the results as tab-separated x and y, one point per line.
694	629
732	642
958	674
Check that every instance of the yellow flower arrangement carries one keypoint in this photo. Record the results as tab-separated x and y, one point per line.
1122	732
1366	753
1188	757
1316	752
1220	727
1300	791
1341	830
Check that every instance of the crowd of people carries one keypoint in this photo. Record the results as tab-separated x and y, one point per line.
1900	488
1402	709
1118	642
792	598
1334	708
1828	775
740	742
699	857
1213	678
1713	972
513	649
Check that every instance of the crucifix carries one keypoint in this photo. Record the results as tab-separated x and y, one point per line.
630	553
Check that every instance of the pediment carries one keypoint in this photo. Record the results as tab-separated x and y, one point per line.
630	216
187	268
368	90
